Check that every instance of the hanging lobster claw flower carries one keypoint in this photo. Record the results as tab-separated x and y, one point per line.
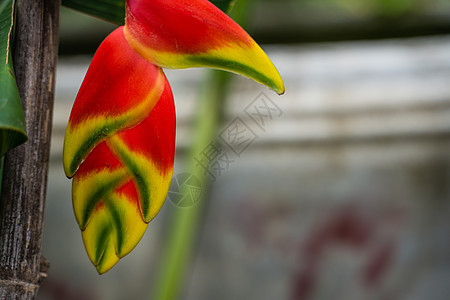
119	148
120	141
195	33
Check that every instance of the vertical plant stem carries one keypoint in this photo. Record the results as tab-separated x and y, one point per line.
26	167
177	251
183	231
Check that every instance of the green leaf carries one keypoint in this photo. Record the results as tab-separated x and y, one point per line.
109	10
12	123
114	10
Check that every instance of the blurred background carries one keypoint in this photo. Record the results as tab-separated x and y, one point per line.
339	189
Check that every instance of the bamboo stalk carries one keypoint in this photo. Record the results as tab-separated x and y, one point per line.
26	167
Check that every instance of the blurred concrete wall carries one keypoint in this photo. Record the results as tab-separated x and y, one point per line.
342	190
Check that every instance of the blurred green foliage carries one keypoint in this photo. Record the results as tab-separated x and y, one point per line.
380	8
298	21
372	8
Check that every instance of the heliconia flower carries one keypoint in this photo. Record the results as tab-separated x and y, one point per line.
120	140
119	147
195	33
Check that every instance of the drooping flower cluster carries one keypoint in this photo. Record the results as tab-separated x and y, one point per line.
120	140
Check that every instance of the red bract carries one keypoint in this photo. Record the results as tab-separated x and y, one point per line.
195	33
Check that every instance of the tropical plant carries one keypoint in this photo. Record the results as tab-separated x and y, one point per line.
120	139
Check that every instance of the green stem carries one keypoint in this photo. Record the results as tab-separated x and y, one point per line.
182	235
